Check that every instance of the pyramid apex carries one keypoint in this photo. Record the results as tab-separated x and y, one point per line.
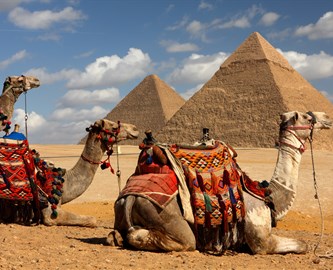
257	48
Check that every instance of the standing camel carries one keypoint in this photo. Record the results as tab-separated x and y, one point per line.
141	224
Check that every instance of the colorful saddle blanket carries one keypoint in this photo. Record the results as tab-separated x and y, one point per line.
153	178
16	170
19	180
158	188
214	184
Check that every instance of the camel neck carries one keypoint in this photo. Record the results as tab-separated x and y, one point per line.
78	179
284	180
7	101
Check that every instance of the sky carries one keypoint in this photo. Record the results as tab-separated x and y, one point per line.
89	54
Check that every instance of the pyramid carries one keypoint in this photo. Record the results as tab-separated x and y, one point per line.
242	102
148	106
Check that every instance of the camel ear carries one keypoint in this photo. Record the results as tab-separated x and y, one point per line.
285	117
102	123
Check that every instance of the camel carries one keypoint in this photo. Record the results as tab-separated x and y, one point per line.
78	179
141	224
13	87
103	134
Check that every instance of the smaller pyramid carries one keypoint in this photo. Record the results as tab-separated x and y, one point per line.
148	106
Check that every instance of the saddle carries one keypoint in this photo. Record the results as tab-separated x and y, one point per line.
26	181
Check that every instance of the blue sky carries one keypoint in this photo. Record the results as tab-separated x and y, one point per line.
89	54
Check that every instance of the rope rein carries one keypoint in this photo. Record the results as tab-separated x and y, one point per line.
26	114
329	254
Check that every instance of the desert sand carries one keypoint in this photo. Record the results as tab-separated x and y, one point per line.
41	247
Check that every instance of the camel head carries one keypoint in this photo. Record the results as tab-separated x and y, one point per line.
19	84
297	127
112	132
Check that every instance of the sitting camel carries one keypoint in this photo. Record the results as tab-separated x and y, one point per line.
102	135
247	218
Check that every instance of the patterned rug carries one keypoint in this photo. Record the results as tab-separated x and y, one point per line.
214	184
158	188
24	177
16	170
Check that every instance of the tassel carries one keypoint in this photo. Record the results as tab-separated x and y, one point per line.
111	169
232	196
226	180
208	203
215	182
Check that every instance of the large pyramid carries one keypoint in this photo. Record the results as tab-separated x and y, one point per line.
242	102
148	106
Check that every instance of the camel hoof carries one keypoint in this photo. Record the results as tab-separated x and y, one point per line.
114	239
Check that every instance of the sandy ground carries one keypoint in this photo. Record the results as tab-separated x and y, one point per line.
41	247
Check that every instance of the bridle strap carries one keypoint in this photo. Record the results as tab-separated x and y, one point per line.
113	138
90	161
290	129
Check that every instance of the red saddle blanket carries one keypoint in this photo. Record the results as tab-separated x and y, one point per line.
214	184
158	188
16	167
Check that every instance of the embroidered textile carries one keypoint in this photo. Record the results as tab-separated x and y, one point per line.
16	167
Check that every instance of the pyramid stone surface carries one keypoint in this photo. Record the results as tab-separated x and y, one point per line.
148	106
242	102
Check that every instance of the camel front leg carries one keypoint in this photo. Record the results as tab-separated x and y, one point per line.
65	218
259	237
145	226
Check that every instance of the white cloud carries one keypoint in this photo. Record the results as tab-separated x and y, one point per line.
269	18
81	97
179	25
322	29
205	5
329	96
47	78
84	54
242	20
68	128
174	47
14	58
195	28
113	70
60	133
190	92
198	29
43	19
197	68
34	121
72	114
315	66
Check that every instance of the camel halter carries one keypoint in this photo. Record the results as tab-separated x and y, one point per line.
291	129
110	138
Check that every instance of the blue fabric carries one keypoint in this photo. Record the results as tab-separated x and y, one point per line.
15	136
